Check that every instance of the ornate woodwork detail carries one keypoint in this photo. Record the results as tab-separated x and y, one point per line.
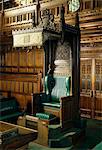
98	74
23	2
92	39
90	103
91	45
26	38
86	81
20	85
47	20
63	59
31	37
36	36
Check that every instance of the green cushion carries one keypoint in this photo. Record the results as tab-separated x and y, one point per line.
52	104
9	108
61	88
45	116
8	103
57	86
6	117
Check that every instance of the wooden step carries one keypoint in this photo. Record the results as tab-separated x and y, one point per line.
67	139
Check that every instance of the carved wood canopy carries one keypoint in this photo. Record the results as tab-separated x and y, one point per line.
33	37
36	36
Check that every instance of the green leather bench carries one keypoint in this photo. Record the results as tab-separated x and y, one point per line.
9	109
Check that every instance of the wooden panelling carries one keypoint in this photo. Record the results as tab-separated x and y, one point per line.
8	59
85	106
21	12
98	108
98	85
91	98
20	86
30	60
86	87
30	87
39	58
0	21
15	58
98	76
86	79
0	84
67	112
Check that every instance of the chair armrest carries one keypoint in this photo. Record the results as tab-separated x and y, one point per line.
37	100
66	99
66	114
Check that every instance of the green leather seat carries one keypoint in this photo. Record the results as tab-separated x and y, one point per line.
56	87
9	109
45	116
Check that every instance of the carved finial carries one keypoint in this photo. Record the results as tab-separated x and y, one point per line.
62	22
62	19
36	14
47	20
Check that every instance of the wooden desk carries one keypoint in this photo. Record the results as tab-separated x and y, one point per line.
14	136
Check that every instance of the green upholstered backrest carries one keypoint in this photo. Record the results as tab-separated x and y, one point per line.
10	103
57	86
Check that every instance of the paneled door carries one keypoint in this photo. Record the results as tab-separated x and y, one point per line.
91	88
98	90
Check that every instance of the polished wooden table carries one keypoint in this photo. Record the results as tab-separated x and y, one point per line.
14	136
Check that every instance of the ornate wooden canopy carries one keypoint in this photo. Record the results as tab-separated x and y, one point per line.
36	36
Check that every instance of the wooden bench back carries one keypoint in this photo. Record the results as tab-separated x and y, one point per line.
20	85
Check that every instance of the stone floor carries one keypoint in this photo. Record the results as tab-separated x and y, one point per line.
93	137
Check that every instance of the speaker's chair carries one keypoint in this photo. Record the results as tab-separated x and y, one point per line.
56	101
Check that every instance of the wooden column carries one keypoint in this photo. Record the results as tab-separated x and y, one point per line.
2	5
46	57
93	87
92	4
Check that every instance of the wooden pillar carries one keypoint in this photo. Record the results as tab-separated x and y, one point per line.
37	12
93	87
56	11
66	9
2	5
92	4
46	57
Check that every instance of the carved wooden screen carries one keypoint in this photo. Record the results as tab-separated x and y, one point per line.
86	87
86	78
98	76
91	88
20	69
98	92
